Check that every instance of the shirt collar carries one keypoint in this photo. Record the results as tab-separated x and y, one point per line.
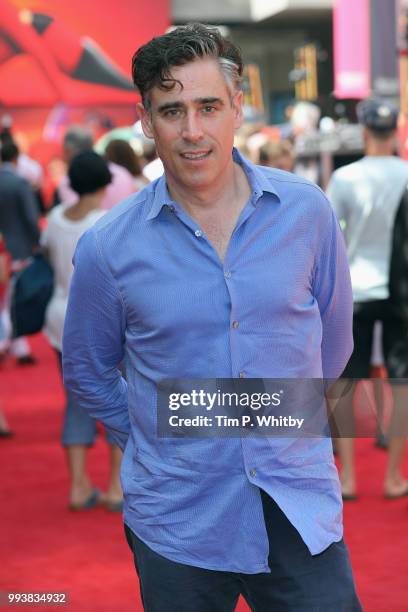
258	182
161	197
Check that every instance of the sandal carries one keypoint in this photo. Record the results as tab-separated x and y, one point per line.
88	504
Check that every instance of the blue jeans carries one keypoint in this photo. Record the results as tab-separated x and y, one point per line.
298	582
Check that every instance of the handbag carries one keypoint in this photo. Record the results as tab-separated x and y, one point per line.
31	291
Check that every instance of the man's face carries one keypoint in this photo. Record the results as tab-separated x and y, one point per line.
193	127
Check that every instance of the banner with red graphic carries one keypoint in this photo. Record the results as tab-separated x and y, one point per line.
68	62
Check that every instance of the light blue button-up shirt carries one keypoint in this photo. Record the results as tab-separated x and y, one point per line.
149	290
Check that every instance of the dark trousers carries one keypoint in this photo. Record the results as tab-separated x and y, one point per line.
298	582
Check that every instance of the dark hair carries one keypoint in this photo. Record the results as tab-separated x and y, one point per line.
152	63
77	139
6	135
9	151
120	152
381	134
88	172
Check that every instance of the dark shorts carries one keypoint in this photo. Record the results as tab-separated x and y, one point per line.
394	340
298	581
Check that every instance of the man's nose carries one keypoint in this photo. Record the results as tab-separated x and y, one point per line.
192	129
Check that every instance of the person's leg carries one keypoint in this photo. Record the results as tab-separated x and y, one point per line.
167	586
379	398
377	365
395	335
357	367
342	426
113	498
78	434
345	426
299	581
81	492
395	485
79	431
18	347
345	450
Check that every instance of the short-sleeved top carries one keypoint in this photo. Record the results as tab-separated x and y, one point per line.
366	195
60	237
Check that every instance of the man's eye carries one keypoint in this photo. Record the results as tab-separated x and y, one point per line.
208	109
172	113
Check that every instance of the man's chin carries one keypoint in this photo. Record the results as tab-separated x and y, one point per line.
198	178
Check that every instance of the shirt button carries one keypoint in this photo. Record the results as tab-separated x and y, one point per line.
242	374
172	209
198	233
252	473
227	274
235	324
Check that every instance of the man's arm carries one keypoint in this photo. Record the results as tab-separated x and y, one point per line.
336	195
94	336
30	211
332	290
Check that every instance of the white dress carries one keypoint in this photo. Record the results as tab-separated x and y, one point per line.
60	237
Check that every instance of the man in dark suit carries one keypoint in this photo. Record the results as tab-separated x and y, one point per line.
18	224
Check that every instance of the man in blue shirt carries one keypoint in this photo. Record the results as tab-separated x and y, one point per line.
219	269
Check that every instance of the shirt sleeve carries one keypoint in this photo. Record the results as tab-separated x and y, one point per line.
93	340
332	290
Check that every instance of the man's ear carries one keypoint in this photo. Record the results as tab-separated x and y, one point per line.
237	106
145	119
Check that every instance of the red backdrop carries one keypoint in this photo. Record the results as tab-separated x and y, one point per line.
118	26
68	62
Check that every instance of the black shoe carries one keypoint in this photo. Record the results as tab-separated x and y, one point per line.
26	360
381	441
6	433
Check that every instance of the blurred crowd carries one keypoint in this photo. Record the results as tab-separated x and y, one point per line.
48	208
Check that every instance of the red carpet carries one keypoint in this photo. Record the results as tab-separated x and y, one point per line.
44	547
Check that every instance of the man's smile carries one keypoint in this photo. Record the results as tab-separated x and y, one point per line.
195	155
